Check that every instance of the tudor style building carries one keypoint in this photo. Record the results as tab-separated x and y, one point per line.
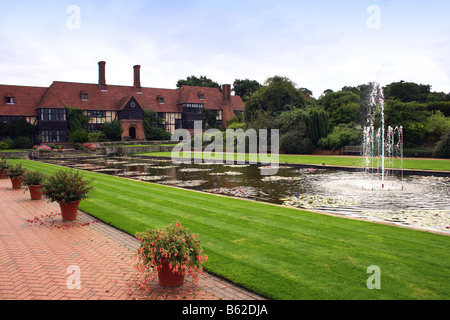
105	103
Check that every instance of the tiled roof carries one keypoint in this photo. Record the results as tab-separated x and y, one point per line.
62	94
25	100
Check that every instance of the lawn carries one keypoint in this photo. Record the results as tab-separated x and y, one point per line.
279	252
344	161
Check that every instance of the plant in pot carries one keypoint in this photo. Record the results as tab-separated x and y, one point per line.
3	166
68	188
33	181
170	253
15	172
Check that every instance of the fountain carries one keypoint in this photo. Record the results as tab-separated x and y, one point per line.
380	148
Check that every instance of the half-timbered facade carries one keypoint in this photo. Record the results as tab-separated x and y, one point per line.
103	103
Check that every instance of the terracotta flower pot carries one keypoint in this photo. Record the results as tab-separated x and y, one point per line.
16	183
169	278
69	211
2	176
35	192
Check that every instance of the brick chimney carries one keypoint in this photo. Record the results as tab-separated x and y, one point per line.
227	106
101	75
226	93
137	78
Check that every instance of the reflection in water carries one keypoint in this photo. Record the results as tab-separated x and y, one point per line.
409	200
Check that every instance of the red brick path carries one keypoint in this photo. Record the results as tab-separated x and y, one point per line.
38	250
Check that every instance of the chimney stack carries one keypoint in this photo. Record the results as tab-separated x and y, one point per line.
137	78
226	93
101	75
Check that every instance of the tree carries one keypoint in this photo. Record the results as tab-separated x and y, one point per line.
277	95
113	130
407	91
412	116
342	106
442	149
436	126
342	135
152	125
19	128
245	88
210	118
76	119
78	136
201	81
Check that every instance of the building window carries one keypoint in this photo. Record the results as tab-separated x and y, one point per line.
96	114
53	114
9	100
84	97
161	100
201	96
6	119
49	136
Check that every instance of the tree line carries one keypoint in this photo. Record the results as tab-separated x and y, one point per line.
336	119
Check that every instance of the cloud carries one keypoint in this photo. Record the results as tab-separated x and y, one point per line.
319	45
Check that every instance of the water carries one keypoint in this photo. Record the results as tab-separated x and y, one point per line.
416	201
381	145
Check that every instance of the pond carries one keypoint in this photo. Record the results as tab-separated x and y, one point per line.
415	201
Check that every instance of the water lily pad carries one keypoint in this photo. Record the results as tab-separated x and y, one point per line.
180	183
228	173
193	170
242	192
279	178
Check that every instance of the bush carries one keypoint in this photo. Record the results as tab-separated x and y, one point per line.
97	136
113	131
417	152
78	136
15	171
6	144
293	143
154	133
23	143
342	135
33	178
67	186
442	149
175	245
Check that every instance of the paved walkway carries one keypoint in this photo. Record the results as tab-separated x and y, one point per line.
44	258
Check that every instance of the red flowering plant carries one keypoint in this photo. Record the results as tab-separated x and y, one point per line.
91	146
67	186
173	244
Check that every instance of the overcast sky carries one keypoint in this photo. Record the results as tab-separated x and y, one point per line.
317	44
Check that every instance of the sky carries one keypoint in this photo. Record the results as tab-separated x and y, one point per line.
318	45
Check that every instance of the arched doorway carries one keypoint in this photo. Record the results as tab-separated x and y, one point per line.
132	133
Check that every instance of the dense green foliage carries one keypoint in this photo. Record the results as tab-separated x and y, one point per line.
423	114
342	135
245	88
442	149
113	130
77	119
78	136
195	81
151	129
67	186
277	95
17	134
